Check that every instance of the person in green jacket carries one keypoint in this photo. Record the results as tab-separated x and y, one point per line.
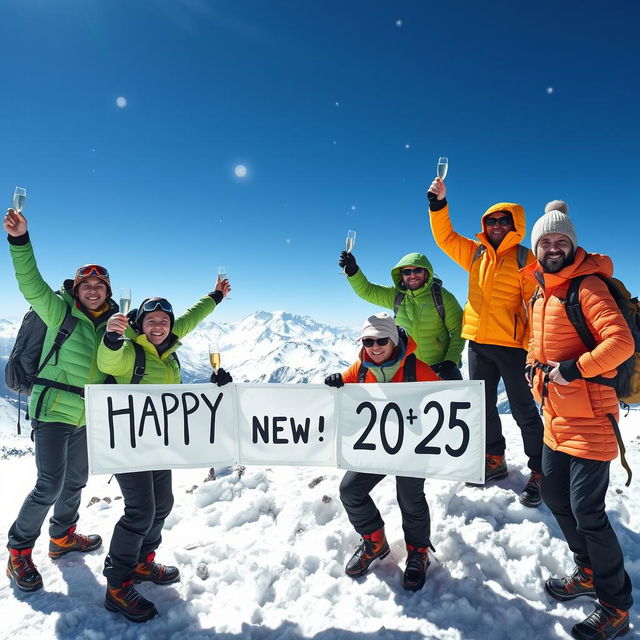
148	498
56	405
415	300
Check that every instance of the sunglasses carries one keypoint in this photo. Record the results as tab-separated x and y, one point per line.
152	305
92	270
505	221
409	272
369	342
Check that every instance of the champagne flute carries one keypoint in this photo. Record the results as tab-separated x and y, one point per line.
125	304
222	274
214	356
443	167
349	244
19	196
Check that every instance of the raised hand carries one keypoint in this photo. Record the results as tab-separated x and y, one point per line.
348	263
223	286
221	377
14	223
437	190
117	323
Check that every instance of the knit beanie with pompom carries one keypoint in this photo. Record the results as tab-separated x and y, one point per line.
554	220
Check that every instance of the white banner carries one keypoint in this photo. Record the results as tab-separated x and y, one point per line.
418	429
286	424
148	427
421	429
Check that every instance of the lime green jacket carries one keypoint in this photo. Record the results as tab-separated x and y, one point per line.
437	340
76	363
159	369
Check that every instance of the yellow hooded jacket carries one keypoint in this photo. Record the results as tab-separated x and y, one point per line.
495	312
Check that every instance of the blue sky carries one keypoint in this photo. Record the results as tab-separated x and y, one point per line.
338	109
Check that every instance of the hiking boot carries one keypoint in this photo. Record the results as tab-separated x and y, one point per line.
495	468
374	546
73	541
155	572
604	622
416	567
531	497
22	571
579	583
127	601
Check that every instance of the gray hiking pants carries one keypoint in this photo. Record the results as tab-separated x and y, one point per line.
62	466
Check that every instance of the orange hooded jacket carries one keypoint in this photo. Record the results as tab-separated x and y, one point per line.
495	312
424	373
575	415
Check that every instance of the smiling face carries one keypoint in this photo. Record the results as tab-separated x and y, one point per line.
156	325
379	353
496	231
413	280
554	251
92	293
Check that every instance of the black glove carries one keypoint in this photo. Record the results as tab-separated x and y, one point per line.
348	263
113	340
334	380
447	370
221	378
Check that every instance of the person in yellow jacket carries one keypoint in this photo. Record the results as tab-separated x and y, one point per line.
495	324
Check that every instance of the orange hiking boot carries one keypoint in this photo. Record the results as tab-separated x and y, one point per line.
531	497
22	571
374	546
495	467
416	567
579	583
131	604
605	622
73	541
155	572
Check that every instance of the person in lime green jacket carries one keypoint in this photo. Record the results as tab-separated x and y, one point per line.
56	404
148	497
415	301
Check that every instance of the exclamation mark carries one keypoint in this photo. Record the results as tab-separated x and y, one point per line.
321	427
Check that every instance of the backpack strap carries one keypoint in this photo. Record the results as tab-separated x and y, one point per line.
409	368
362	373
523	254
139	364
480	249
66	328
397	302
436	292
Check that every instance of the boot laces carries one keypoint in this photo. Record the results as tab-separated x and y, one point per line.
131	596
416	560
578	576
601	617
25	564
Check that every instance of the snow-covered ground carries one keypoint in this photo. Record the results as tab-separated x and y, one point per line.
262	556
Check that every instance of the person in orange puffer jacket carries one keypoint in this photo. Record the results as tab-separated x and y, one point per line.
495	323
579	440
388	355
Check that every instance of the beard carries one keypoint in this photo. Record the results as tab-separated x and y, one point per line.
557	263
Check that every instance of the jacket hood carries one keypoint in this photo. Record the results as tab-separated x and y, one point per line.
583	264
417	260
519	222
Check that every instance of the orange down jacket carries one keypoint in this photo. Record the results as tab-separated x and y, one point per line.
575	415
424	373
495	312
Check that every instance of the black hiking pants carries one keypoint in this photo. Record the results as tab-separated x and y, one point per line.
148	500
62	468
365	517
490	362
574	489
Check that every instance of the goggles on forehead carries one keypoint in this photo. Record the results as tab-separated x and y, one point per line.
505	221
369	342
152	305
92	270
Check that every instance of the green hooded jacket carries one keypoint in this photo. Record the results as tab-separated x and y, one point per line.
75	364
437	340
159	369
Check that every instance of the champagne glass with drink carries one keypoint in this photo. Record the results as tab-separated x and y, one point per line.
349	244
214	355
443	167
125	304
19	197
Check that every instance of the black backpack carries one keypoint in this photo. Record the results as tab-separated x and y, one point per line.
23	366
436	292
141	362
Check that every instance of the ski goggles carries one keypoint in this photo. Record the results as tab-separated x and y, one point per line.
152	305
415	271
369	342
91	270
505	221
